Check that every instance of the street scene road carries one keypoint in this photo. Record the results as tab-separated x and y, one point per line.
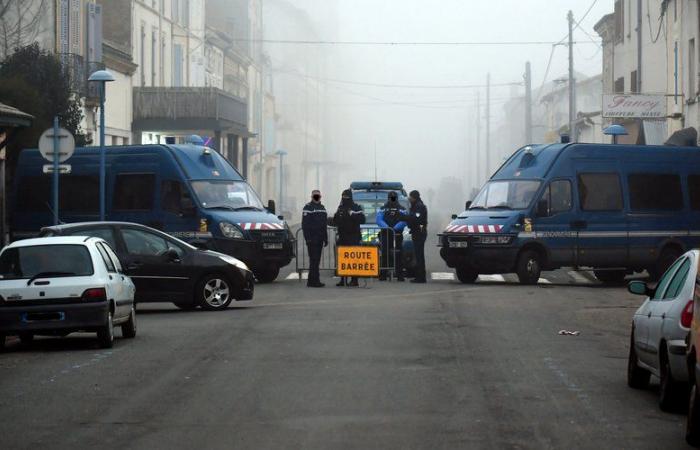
387	365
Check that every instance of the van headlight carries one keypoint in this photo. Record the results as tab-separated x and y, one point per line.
234	262
494	240
230	231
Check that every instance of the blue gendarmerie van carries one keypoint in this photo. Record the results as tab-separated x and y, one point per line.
616	209
189	191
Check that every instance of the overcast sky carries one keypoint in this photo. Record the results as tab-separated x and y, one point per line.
423	135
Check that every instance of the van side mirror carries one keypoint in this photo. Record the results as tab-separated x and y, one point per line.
542	208
468	204
639	288
188	207
271	206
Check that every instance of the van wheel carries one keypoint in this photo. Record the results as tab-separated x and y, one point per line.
466	275
129	327
692	427
267	275
214	293
105	335
668	256
529	267
614	277
637	378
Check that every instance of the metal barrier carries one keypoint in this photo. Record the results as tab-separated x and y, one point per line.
371	236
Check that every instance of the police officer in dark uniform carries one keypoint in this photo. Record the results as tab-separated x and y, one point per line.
313	223
390	216
347	220
418	223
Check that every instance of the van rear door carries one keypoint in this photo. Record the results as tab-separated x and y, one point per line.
600	222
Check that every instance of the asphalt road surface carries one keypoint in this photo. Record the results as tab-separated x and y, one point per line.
389	365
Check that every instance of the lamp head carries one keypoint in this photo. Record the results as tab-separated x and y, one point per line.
103	76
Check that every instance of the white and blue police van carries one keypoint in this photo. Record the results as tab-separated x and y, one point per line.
613	209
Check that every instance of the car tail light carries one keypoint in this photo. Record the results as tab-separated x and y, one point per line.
95	295
687	315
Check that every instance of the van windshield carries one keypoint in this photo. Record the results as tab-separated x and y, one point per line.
233	195
513	194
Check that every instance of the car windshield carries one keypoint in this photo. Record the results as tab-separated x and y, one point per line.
45	260
513	194
233	195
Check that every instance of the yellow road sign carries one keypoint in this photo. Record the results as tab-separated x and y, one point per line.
358	261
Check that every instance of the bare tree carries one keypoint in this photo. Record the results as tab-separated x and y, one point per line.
20	23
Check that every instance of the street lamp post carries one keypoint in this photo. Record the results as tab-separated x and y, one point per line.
102	77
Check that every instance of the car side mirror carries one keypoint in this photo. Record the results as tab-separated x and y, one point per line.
454	216
542	209
271	206
468	204
638	288
171	255
280	217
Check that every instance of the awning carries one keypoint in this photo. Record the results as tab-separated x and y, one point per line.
11	117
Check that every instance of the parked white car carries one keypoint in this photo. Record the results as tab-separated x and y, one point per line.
60	285
659	330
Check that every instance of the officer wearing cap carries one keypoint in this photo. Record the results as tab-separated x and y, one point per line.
390	217
417	219
347	220
314	223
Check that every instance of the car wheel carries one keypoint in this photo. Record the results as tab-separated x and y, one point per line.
267	275
637	378
214	293
668	256
529	267
612	277
105	335
26	338
692	427
129	327
466	275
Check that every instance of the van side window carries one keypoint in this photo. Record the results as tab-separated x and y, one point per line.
173	196
694	191
559	196
600	191
655	191
78	194
134	192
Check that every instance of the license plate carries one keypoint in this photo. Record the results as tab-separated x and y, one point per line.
459	244
278	246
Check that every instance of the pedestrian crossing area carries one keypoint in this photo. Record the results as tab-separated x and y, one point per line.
558	277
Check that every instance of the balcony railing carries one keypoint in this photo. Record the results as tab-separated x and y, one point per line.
79	71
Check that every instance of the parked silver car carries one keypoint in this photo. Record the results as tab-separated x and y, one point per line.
659	330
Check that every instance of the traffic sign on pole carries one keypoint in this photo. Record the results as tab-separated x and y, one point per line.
66	144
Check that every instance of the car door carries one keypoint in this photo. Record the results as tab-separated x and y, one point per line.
128	287
644	321
156	276
553	224
601	222
115	287
662	307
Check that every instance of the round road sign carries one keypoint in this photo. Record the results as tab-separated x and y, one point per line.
66	144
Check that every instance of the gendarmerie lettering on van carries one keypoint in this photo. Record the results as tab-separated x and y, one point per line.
616	209
189	191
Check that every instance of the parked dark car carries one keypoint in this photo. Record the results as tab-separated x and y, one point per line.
166	269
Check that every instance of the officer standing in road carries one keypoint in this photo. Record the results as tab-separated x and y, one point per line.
313	223
390	216
418	223
347	220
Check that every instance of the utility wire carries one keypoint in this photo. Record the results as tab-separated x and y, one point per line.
405	43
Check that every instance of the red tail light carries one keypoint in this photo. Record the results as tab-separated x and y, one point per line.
95	295
687	315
